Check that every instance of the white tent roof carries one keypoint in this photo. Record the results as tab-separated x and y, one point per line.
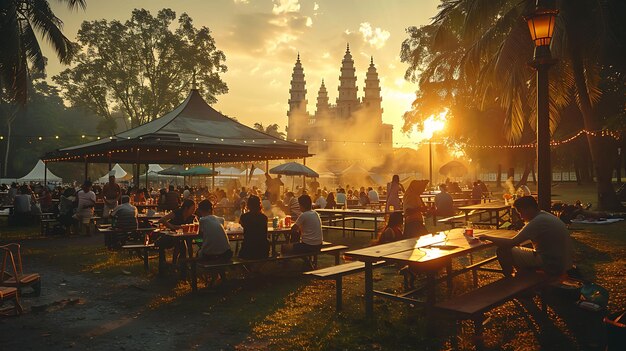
228	171
119	173
37	175
256	172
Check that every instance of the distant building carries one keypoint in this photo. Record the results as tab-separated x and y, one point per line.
352	121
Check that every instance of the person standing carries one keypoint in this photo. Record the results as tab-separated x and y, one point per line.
112	193
86	204
393	193
172	199
254	223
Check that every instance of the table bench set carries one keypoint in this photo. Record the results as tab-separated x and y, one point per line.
427	256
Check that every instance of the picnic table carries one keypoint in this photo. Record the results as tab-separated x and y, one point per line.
497	210
428	254
333	215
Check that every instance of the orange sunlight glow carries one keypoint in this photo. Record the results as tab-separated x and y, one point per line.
431	125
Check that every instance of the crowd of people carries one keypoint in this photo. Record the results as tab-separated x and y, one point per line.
252	208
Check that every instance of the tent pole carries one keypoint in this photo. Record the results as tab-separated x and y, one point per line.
45	175
86	168
136	171
303	177
267	166
147	168
213	176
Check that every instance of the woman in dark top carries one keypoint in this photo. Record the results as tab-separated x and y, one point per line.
330	201
254	223
173	221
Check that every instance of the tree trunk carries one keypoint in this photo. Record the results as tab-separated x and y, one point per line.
524	179
600	147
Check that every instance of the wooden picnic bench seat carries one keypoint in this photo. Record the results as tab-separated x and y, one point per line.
8	293
329	249
474	304
453	221
337	273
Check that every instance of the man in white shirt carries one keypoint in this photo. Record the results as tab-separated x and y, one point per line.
320	202
373	195
215	245
308	228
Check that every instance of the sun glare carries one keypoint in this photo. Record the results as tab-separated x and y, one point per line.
431	125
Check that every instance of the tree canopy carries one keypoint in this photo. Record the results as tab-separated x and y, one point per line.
140	69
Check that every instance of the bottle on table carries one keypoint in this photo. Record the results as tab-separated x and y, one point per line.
469	229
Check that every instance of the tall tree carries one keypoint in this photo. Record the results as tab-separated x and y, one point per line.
20	22
272	129
142	68
486	45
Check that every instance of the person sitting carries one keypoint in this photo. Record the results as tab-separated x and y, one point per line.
254	223
413	209
215	245
307	230
455	188
174	221
162	200
393	230
320	201
172	199
292	205
125	215
124	221
67	207
330	201
373	195
552	246
341	198
444	204
477	193
364	200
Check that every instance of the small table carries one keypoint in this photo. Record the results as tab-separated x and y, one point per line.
429	253
495	209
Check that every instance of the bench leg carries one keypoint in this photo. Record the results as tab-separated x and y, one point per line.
369	290
339	287
194	276
337	258
478	331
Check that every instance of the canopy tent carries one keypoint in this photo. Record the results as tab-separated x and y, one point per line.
193	132
357	175
120	174
256	172
453	169
198	171
172	171
37	174
153	170
232	171
294	169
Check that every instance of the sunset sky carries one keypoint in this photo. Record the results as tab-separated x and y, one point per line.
261	39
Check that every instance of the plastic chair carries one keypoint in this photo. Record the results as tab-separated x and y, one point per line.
12	273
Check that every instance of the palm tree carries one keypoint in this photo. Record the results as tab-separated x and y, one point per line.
20	20
485	45
272	129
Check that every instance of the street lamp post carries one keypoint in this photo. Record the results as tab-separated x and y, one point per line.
541	26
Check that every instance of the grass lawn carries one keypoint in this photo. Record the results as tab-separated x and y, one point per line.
94	299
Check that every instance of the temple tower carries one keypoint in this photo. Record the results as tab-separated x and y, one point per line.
372	99
347	102
296	114
322	106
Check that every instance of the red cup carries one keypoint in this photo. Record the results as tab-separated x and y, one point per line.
469	231
287	221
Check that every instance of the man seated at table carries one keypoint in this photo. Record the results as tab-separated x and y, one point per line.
125	215
444	204
292	206
215	245
307	230
552	247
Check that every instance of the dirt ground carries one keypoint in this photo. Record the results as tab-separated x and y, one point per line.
93	299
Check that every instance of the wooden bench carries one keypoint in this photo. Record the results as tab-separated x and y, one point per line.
10	294
334	250
452	221
474	304
142	251
337	273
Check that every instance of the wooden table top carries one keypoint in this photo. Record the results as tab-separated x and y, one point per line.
355	211
428	247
